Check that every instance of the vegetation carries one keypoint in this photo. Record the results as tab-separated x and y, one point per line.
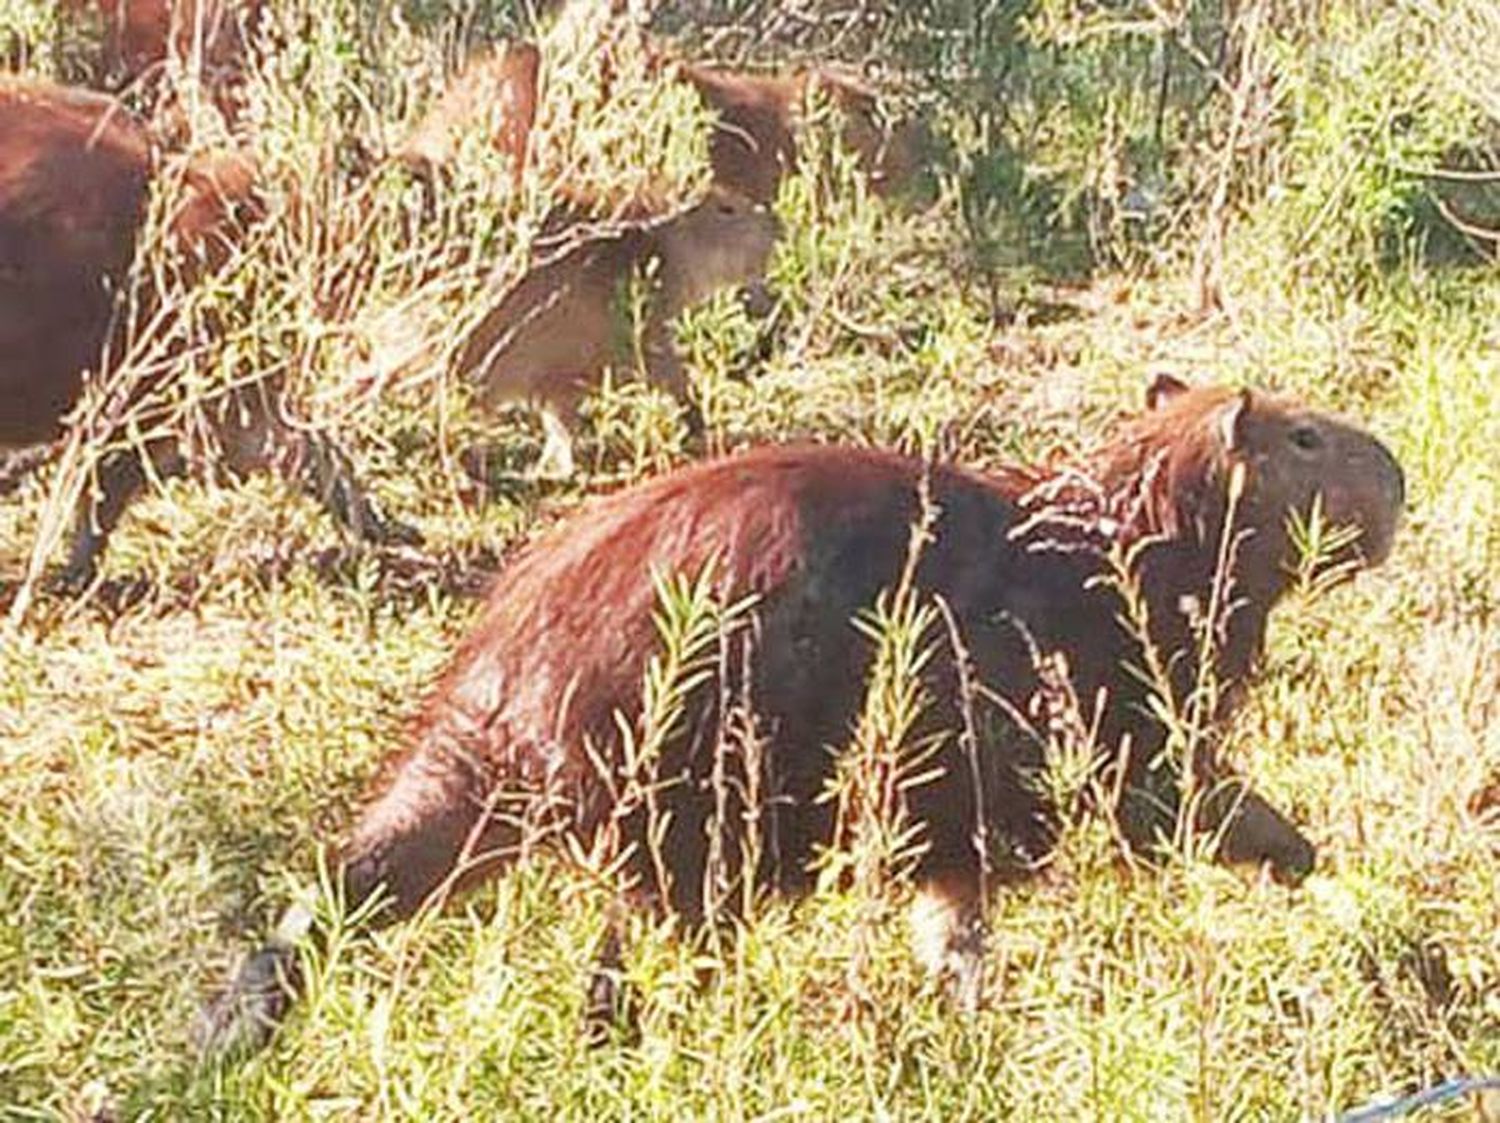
1291	196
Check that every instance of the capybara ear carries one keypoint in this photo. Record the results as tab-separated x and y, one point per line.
1233	420
1163	388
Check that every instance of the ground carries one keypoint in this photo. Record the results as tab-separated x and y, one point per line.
175	746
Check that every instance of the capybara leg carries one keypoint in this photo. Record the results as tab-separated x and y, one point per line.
1251	830
668	371
1247	828
320	468
437	826
243	1019
611	1009
664	363
692	417
120	478
556	462
947	928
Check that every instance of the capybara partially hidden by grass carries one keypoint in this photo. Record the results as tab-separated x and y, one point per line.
495	94
140	39
521	743
76	176
552	337
753	142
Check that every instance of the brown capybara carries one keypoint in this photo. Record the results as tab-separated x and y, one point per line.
76	174
521	741
497	93
753	144
552	336
140	36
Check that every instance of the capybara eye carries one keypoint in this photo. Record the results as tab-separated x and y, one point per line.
1306	437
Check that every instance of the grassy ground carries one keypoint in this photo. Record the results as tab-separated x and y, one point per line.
173	749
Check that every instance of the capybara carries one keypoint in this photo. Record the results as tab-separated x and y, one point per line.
76	173
495	92
521	741
141	42
138	38
552	336
757	117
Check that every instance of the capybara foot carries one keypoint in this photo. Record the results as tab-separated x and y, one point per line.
611	1010
73	579
948	937
1255	831
243	1019
1292	864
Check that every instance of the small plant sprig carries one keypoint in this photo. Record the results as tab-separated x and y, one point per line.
692	623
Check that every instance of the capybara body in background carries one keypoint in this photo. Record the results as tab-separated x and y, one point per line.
753	143
139	38
495	92
76	174
553	335
521	743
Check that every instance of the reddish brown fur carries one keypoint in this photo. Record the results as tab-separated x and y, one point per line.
497	92
76	173
754	139
557	659
139	36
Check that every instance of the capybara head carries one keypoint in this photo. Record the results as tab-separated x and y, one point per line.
751	143
496	92
892	153
1185	451
723	241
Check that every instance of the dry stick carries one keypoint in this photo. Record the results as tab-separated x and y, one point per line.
1202	703
756	762
969	742
1208	260
712	866
1463	225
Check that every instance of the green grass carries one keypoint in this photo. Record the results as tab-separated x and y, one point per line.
170	766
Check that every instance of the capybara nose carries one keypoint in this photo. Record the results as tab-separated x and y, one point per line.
757	299
1295	862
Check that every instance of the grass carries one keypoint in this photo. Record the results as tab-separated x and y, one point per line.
169	764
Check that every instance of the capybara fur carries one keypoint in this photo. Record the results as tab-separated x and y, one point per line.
756	119
568	320
495	93
76	177
521	740
138	39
